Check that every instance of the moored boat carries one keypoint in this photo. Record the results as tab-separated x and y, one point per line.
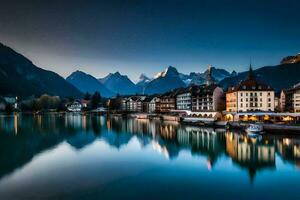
255	129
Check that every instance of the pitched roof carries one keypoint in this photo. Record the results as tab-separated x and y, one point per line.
250	84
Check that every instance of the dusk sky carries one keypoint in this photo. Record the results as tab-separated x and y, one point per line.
138	36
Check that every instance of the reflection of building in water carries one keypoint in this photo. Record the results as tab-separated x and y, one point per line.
204	141
168	131
250	153
289	149
10	124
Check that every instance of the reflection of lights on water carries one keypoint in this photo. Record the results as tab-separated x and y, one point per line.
209	166
16	123
84	121
162	150
296	150
286	141
253	140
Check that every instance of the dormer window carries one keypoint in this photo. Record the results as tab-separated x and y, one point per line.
259	87
244	87
253	87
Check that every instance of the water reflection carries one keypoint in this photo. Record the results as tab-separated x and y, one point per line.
24	136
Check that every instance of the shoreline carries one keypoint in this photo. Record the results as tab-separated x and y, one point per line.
271	128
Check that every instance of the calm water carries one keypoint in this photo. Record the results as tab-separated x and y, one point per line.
93	157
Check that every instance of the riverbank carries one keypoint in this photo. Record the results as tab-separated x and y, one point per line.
272	128
195	121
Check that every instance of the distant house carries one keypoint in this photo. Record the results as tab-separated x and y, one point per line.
85	103
74	106
12	101
152	105
166	102
115	104
133	103
149	104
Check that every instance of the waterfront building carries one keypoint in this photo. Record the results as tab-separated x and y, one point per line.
74	106
133	103
85	103
290	99
12	101
149	104
166	102
184	99
152	105
250	95
208	98
201	98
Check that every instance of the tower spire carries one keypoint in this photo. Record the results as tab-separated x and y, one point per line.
209	79
250	73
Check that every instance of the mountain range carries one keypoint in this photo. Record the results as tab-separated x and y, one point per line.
119	84
87	83
20	77
279	77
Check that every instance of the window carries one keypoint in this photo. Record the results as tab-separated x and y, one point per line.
241	105
260	104
260	94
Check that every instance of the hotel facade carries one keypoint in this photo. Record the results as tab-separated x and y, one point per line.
250	95
290	99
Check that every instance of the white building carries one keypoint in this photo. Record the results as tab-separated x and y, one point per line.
208	98
152	105
74	106
290	99
133	104
250	95
296	100
184	100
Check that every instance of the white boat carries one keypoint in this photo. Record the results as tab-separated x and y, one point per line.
255	129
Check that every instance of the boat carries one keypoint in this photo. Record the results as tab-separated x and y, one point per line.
254	129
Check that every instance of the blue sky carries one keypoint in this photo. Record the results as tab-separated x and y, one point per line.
135	36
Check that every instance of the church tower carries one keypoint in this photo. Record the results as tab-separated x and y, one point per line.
209	78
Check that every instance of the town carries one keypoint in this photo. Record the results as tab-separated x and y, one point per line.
207	104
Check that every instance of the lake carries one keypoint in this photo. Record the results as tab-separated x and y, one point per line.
94	157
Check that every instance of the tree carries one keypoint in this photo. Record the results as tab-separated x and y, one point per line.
87	96
96	100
